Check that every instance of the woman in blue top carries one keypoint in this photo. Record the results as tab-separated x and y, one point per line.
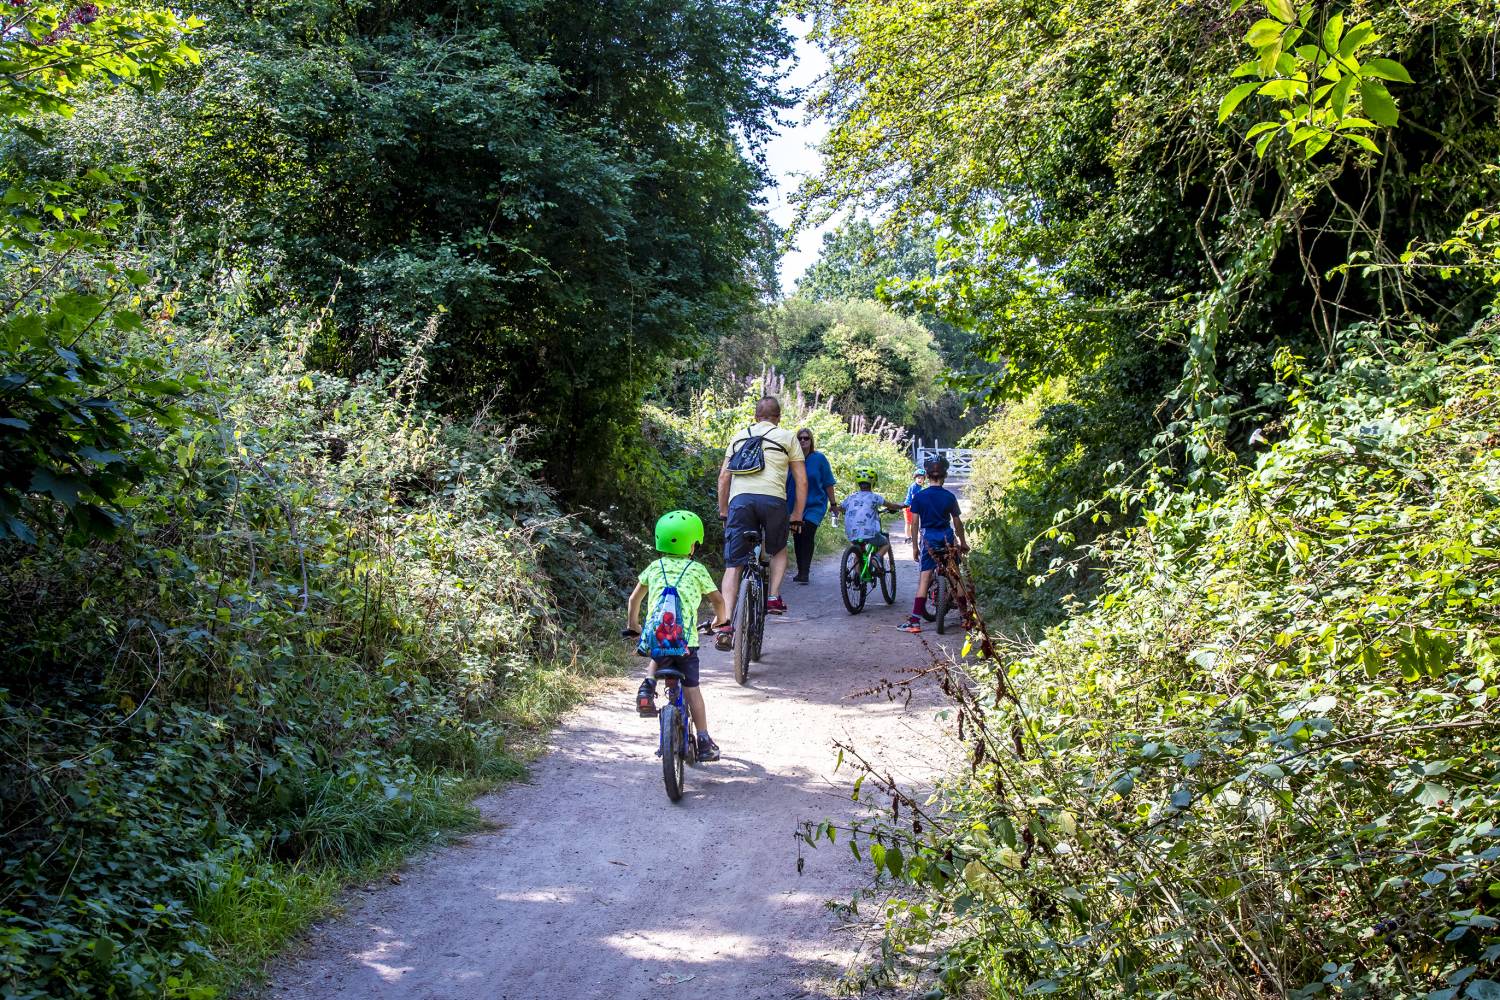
820	484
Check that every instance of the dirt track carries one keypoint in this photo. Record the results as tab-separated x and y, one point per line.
592	884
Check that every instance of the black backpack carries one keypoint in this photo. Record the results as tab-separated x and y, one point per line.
750	457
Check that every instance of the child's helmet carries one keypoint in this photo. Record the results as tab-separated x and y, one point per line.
918	472
678	531
936	467
865	474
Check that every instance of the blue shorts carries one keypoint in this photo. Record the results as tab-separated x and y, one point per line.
754	512
932	546
688	665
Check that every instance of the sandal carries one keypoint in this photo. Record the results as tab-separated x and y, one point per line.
724	638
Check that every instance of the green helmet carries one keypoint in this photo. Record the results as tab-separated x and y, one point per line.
678	531
865	474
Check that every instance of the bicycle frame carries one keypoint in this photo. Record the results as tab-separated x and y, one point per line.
750	633
673	680
676	727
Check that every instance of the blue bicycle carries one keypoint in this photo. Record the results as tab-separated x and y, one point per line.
679	744
679	747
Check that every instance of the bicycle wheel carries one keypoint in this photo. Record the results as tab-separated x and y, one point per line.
743	629
944	599
671	751
888	578
758	612
851	587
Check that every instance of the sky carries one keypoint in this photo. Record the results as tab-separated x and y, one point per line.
793	154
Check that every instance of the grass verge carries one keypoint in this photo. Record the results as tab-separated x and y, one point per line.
255	904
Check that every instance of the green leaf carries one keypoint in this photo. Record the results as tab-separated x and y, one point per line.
1385	69
1433	794
1265	141
61	488
1377	102
127	320
1338	99
1363	142
1234	98
1483	989
1265	32
1282	10
1356	38
1333	31
1284	90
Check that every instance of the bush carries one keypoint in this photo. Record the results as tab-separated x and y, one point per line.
328	609
1053	452
1265	761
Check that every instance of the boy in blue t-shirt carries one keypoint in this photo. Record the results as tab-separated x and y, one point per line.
940	525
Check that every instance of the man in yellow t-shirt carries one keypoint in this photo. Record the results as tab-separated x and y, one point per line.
757	502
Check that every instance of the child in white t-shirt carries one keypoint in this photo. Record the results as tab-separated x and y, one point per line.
861	511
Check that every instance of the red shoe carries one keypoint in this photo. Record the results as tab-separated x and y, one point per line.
775	606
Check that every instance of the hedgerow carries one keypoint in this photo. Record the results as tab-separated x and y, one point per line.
329	614
1266	760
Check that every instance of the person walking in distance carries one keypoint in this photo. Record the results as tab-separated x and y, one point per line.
753	497
820	501
918	483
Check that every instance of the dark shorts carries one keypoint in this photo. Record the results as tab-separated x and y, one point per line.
754	512
687	664
934	543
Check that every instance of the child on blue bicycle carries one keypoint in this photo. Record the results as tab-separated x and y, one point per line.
862	509
676	584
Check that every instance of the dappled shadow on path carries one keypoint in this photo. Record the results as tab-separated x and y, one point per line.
589	882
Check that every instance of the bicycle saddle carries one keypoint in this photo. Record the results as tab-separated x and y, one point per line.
753	537
665	672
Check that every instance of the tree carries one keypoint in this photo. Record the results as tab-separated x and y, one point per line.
857	353
1092	203
565	185
859	261
72	393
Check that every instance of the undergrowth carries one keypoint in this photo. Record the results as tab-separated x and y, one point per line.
332	618
1266	760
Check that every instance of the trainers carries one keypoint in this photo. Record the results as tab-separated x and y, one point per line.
913	625
707	748
775	606
645	699
724	638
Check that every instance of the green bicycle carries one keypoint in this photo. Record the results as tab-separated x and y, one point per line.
864	566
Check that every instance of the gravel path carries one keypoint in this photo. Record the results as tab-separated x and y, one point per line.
592	884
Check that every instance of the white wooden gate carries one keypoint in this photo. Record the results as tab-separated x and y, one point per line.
960	460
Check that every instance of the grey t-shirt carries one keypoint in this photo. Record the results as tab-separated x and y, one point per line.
862	515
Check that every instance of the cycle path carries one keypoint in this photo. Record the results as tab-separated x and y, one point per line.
590	883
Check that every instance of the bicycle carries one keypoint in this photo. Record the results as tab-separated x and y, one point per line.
940	592
748	615
679	744
861	567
